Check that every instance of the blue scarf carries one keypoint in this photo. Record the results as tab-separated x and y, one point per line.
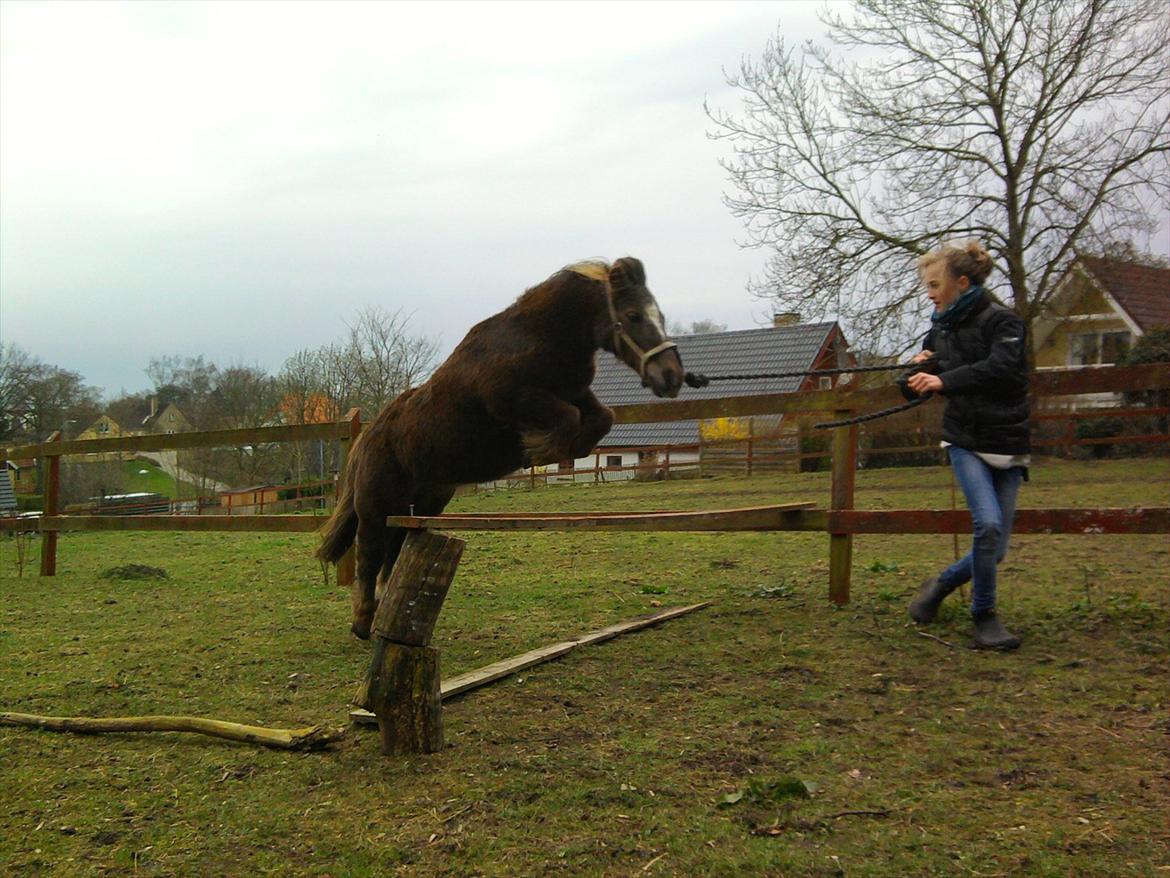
953	314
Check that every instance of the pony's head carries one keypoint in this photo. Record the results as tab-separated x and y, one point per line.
638	332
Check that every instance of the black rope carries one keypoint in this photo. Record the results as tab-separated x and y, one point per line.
697	379
871	416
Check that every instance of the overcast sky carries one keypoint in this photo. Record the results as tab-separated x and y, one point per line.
237	179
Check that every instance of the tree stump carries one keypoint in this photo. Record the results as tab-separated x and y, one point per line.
402	686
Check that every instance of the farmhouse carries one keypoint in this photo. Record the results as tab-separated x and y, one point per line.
786	346
22	475
169	420
1101	307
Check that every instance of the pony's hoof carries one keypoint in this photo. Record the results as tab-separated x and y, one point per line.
361	632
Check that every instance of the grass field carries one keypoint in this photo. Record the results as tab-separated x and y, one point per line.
770	734
139	475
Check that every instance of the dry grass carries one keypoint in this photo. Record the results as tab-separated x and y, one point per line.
923	757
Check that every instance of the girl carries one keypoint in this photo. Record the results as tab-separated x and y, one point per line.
979	363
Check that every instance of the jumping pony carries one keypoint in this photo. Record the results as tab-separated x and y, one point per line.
514	393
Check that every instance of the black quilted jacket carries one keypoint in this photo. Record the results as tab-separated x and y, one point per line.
983	365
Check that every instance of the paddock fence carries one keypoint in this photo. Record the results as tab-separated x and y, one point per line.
839	520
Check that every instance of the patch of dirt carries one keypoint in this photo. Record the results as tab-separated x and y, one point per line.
134	571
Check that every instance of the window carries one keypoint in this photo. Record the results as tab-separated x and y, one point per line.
1097	348
103	427
826	382
613	461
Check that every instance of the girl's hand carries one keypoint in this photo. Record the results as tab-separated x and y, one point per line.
923	382
924	355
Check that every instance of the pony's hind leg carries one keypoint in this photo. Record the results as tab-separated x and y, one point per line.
372	544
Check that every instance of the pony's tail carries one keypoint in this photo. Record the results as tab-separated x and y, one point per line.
340	530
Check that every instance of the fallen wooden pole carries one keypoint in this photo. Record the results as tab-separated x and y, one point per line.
461	683
310	738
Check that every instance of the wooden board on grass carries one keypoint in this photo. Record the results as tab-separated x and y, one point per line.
461	683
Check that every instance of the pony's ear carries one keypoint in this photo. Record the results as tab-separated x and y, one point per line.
627	272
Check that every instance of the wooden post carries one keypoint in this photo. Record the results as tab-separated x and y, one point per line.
844	463
666	467
51	503
346	567
402	686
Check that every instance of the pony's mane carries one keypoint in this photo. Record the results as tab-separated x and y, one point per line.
594	269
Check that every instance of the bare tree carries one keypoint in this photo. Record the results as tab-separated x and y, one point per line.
245	396
378	360
18	369
1037	126
37	398
697	327
385	358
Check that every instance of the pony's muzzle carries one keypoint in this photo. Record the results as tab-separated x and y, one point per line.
663	373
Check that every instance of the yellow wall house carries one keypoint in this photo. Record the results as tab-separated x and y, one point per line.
1100	309
106	427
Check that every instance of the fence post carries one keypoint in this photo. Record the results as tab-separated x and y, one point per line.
666	468
346	567
844	464
51	507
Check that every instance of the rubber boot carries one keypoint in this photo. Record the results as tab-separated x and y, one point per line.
990	634
930	596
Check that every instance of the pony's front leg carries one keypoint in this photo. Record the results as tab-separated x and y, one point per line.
547	425
596	421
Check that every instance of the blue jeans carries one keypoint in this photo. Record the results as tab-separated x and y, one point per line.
991	497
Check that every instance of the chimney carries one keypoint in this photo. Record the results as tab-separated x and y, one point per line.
786	318
153	406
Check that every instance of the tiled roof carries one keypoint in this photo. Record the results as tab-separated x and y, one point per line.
744	352
1142	290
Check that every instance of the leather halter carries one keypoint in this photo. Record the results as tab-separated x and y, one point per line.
620	337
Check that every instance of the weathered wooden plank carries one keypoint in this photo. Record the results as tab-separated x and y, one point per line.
461	683
347	563
52	497
776	517
196	523
201	439
798	518
1142	520
1105	379
844	475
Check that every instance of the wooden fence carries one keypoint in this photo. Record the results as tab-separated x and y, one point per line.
840	521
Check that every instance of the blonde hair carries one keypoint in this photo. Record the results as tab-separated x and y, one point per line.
969	259
594	269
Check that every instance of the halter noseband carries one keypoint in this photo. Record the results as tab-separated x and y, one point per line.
620	337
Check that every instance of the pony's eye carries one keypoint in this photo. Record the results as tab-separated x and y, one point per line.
634	316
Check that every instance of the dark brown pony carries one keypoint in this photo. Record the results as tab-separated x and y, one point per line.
515	392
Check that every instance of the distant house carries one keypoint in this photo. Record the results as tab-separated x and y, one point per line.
1100	308
105	427
22	475
169	420
787	346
